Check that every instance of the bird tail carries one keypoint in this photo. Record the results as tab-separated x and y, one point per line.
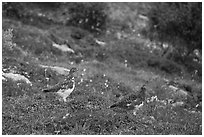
45	90
48	90
112	106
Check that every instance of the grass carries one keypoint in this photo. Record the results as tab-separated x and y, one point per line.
105	75
88	113
36	113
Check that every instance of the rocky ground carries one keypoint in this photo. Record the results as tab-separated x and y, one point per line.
111	66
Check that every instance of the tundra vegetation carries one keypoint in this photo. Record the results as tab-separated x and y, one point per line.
117	48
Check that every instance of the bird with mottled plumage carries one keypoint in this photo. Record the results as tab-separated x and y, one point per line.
131	101
64	88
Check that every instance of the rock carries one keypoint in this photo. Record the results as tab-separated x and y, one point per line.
101	43
63	47
60	70
16	77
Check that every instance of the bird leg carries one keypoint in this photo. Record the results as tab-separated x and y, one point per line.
65	100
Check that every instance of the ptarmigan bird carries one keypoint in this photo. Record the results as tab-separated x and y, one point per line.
131	101
64	88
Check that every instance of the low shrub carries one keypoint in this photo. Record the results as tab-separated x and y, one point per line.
89	16
170	67
153	62
164	65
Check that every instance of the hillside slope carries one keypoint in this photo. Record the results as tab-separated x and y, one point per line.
109	68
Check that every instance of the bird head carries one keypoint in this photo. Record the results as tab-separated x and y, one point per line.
72	70
71	74
143	88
